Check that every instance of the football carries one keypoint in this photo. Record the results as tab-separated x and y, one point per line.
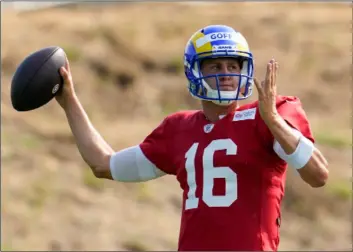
37	79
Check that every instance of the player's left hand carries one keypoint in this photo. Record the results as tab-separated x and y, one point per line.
267	92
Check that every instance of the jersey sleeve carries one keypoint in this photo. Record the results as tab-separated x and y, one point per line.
291	110
156	147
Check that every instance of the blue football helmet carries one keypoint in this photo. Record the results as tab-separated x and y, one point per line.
217	41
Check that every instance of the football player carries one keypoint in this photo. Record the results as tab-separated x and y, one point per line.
230	160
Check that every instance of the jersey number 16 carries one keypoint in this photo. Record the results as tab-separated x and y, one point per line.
209	174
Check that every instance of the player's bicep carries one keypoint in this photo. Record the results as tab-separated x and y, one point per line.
131	165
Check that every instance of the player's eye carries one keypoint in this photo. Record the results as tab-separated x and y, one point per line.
234	67
214	67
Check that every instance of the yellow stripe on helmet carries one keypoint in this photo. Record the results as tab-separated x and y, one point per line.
207	47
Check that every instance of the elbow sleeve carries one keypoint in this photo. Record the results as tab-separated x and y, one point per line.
131	165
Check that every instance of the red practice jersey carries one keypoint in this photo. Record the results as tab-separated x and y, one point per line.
232	180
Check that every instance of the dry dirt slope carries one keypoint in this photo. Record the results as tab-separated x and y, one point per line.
127	60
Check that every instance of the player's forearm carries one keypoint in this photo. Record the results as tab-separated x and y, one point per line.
314	172
283	134
92	147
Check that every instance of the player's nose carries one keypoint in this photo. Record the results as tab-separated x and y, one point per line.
224	70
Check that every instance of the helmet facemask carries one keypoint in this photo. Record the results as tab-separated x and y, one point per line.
199	85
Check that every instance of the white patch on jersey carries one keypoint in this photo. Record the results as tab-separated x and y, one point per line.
221	116
208	127
248	114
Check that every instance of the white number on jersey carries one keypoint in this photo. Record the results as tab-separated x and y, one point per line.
209	174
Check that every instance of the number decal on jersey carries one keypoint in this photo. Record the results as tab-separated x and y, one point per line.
210	172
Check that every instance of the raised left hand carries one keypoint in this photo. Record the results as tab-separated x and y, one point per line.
267	92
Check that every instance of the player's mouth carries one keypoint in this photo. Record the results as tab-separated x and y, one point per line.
226	87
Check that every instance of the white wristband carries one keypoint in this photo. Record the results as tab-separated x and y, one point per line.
302	154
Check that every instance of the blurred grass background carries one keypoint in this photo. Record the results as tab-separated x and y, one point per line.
127	63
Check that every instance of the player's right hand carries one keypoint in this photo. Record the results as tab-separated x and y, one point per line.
67	93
